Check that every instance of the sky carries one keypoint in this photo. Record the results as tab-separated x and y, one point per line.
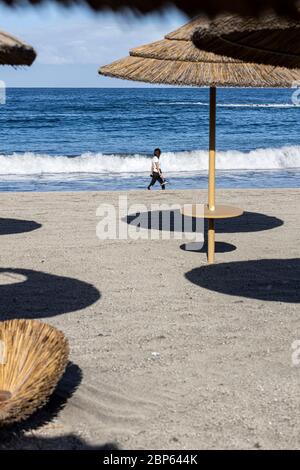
72	43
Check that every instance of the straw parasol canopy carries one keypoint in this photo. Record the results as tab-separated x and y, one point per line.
190	7
175	60
267	40
33	357
15	52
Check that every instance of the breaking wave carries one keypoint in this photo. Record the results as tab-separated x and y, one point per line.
194	161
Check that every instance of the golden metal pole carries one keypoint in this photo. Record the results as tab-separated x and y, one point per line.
211	241
212	172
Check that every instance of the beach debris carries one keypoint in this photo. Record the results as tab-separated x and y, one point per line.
33	357
155	355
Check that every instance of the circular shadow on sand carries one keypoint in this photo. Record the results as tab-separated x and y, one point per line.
266	279
248	222
34	294
173	221
195	247
13	226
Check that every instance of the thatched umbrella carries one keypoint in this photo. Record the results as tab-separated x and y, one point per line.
175	60
267	40
190	7
15	52
33	357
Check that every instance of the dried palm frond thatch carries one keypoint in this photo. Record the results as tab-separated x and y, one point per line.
190	7
267	40
175	60
33	357
15	52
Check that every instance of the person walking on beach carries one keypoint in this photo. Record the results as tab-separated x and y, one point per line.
156	172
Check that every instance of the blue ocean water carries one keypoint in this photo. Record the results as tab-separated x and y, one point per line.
102	139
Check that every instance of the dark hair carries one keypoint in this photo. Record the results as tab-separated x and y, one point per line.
157	150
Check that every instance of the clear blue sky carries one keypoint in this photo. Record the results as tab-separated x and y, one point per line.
72	43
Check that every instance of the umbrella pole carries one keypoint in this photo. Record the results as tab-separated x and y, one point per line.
211	173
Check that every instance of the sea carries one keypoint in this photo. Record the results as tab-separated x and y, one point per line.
102	139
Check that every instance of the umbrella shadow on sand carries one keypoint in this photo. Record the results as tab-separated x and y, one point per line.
174	222
276	280
16	436
197	247
65	442
29	294
13	226
168	220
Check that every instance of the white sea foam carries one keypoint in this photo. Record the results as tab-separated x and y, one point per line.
194	161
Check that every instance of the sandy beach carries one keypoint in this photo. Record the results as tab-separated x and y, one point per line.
166	352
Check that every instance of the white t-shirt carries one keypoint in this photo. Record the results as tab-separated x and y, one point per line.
154	165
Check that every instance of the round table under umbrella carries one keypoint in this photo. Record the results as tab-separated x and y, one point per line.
15	52
175	60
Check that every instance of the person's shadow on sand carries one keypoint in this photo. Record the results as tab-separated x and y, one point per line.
16	435
265	279
25	293
13	226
